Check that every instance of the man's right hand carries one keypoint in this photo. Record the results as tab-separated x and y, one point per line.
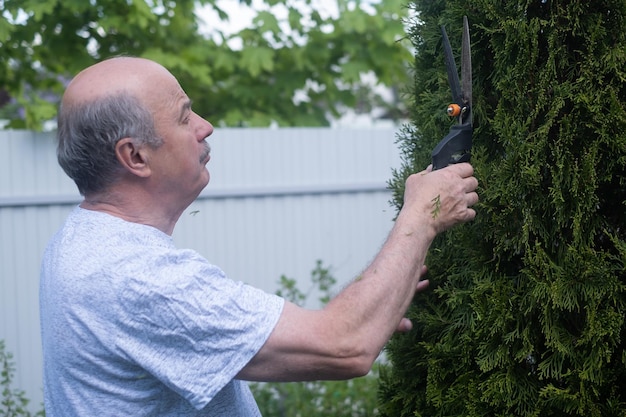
441	198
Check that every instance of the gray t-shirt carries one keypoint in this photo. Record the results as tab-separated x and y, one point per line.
133	326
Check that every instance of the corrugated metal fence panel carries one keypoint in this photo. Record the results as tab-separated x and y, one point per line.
268	157
278	200
29	167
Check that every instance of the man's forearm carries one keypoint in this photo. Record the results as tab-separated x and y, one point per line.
372	306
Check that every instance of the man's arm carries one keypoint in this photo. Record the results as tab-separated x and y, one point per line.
343	339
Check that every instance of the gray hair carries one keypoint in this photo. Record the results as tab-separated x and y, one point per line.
88	133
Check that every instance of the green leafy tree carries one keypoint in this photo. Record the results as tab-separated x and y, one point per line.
298	69
527	311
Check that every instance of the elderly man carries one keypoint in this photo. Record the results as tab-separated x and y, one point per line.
132	325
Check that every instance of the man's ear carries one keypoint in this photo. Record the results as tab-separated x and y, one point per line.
132	157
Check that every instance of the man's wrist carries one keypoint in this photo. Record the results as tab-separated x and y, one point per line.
418	228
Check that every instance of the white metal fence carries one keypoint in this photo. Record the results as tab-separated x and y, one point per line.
278	200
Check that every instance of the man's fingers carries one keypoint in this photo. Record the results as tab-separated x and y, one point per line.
470	214
470	184
472	198
463	169
422	285
404	326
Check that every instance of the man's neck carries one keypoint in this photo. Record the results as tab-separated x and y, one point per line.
133	207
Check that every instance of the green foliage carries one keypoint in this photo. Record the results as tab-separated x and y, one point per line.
352	398
322	281
13	401
299	69
527	316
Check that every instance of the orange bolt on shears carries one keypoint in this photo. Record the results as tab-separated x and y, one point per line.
456	146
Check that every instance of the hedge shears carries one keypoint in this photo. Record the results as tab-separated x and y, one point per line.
457	144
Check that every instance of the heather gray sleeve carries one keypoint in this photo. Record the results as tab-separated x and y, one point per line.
188	325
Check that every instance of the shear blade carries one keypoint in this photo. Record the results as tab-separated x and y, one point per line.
453	76
466	68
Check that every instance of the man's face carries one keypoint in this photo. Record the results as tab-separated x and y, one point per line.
179	165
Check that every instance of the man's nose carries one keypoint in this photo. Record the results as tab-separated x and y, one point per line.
204	128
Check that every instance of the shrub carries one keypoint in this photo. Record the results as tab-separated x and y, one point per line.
527	311
14	402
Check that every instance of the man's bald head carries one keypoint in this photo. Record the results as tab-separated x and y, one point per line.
121	75
109	101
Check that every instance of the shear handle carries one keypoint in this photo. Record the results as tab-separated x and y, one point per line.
453	148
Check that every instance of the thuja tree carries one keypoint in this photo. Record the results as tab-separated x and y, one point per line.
526	315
